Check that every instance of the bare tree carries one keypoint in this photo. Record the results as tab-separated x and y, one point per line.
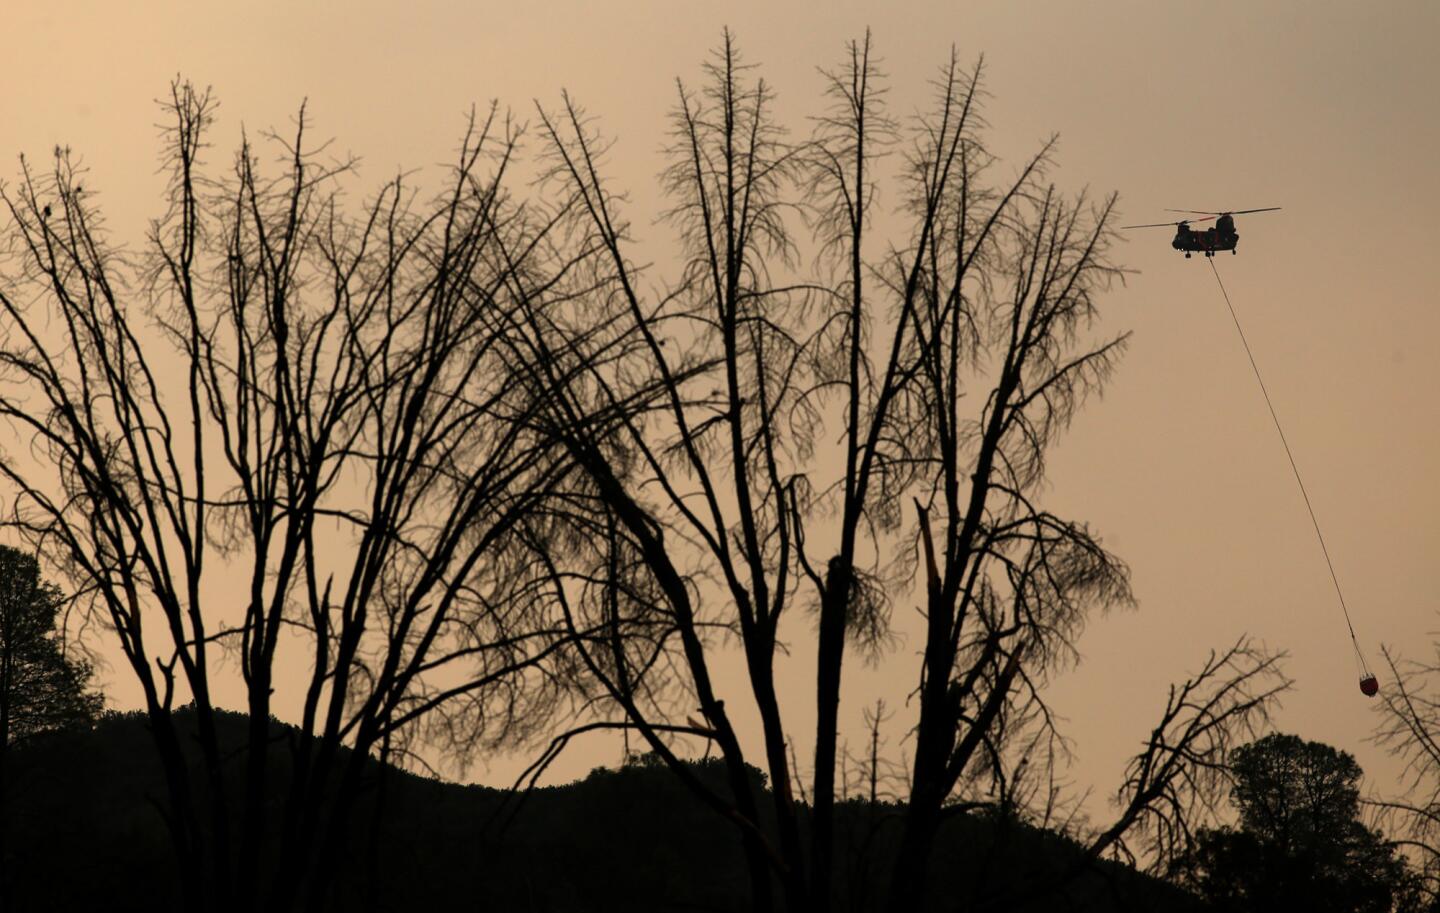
718	348
996	289
1410	730
779	401
284	437
1173	784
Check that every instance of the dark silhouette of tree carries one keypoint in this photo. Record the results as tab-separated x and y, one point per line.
1299	843
42	686
798	392
283	440
1410	729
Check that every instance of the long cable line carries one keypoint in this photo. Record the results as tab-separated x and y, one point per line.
1359	656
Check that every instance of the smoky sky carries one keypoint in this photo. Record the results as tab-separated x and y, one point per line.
1323	108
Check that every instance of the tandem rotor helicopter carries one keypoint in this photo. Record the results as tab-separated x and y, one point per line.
1220	236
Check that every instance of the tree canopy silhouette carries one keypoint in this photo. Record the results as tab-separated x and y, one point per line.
1299	843
42	686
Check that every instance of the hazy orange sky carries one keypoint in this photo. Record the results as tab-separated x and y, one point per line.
1325	108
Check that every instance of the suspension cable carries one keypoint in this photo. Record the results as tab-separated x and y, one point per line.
1334	578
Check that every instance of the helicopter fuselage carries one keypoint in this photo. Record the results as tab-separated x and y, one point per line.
1222	236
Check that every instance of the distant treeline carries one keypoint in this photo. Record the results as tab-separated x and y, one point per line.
87	833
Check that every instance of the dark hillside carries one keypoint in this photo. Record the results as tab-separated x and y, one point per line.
86	833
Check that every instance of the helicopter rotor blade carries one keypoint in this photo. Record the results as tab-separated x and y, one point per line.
1168	224
1228	212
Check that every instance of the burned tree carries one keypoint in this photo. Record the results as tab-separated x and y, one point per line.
1410	729
780	403
283	439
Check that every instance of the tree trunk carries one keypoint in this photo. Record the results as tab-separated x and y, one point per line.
917	840
827	710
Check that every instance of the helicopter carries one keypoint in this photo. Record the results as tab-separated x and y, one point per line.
1220	236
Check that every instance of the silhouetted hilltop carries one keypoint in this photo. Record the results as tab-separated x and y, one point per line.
86	833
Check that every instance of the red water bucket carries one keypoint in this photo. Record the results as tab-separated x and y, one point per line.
1369	686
